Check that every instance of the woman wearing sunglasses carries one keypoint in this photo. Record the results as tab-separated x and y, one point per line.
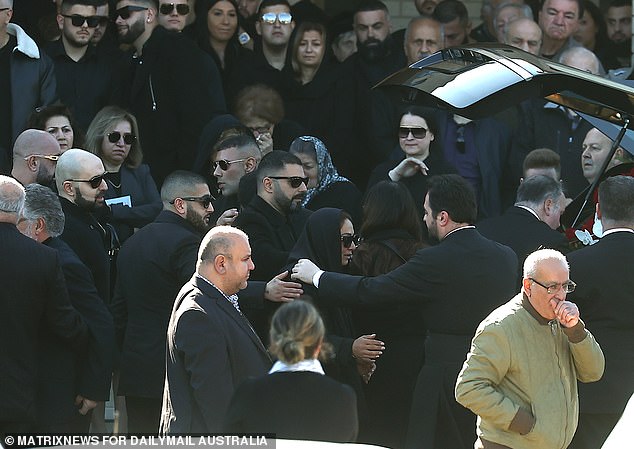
329	241
132	194
392	233
326	187
173	14
416	159
58	121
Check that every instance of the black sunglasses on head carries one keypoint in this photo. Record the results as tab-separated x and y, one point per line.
204	200
126	11
347	240
128	138
417	133
167	8
295	181
94	182
79	20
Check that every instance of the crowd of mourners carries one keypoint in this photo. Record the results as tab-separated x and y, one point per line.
195	193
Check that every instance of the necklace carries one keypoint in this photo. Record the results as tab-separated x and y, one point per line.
116	186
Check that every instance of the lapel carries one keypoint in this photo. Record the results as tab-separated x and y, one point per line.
231	312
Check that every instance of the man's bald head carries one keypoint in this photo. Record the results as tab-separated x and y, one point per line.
581	58
79	165
34	156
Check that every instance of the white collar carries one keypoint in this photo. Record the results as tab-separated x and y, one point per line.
311	365
530	210
458	229
613	230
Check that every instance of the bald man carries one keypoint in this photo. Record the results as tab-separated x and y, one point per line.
35	155
524	34
583	59
423	37
79	177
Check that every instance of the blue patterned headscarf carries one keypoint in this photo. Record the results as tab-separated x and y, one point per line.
327	171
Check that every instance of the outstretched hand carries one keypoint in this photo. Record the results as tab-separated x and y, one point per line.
367	348
408	167
304	270
279	290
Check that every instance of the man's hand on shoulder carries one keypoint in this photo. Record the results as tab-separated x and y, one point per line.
279	290
304	271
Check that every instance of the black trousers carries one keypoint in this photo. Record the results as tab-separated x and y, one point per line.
144	414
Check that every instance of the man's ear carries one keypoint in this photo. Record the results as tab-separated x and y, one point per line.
32	163
151	15
443	218
598	209
250	164
68	188
60	22
220	264
268	185
258	27
526	283
548	206
40	226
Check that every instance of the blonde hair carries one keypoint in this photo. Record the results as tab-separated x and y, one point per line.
296	332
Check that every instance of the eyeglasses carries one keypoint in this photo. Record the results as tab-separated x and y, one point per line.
126	11
261	129
417	133
50	157
78	20
347	240
204	200
167	8
128	138
224	164
94	182
295	181
270	17
568	286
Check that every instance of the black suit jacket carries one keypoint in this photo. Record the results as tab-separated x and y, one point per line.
63	374
33	294
457	282
211	349
152	266
299	405
603	273
523	232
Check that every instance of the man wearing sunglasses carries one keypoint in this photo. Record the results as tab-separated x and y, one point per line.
81	185
173	14
35	155
83	80
27	82
171	86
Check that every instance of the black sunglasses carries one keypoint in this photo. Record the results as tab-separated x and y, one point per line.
204	200
126	11
224	164
347	240
94	182
295	181
417	133
78	20
128	138
167	8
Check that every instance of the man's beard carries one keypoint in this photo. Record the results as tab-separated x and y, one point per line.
373	49
44	177
621	49
133	32
85	204
197	221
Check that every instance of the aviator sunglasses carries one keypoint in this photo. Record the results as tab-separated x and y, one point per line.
128	138
417	133
284	17
224	164
204	200
94	182
126	11
78	20
295	181
167	8
347	240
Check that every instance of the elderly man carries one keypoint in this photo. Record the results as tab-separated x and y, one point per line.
559	20
211	346
81	185
423	37
524	34
33	296
604	297
520	376
596	147
63	404
35	154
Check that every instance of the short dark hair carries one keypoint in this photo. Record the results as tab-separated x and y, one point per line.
618	4
269	3
580	7
390	205
424	113
542	158
449	10
454	195
537	189
67	4
275	161
371	5
180	183
616	199
237	141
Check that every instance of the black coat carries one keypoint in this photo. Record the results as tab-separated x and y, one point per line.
341	195
87	238
88	375
173	93
211	349
152	267
33	295
603	273
457	284
295	405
